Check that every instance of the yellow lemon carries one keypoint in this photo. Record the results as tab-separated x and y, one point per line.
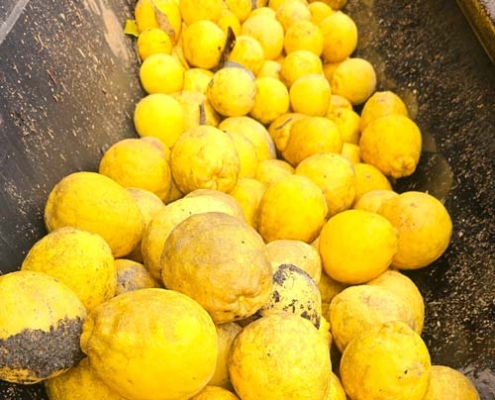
335	175
299	63
241	8
449	383
79	383
388	361
357	246
347	120
248	52
351	152
381	104
232	91
253	130
161	73
355	79
369	178
290	12
340	36
329	288
93	202
262	9
310	95
163	14
41	322
271	170
293	207
335	389
230	264
197	10
276	4
153	41
270	68
175	334
204	158
203	42
226	333
392	144
271	100
175	212
132	275
274	344
197	109
319	11
424	227
248	157
248	193
309	136
269	33
81	260
372	200
279	129
362	307
337	101
298	253
304	35
159	115
229	23
137	163
197	79
215	393
405	288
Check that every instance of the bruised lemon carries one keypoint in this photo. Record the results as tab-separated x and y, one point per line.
163	14
132	275
93	202
159	331
81	260
230	264
41	322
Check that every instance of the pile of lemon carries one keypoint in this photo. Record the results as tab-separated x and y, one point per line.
248	244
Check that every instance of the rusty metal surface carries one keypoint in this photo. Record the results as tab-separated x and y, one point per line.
68	86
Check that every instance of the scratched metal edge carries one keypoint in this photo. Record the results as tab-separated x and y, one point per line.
482	23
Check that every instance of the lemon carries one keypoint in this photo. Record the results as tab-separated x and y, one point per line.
79	383
163	14
290	12
340	36
197	79
271	100
329	288
369	178
203	42
270	68
197	109
405	288
269	33
357	246
175	334
161	73
388	361
347	120
253	130
226	333
337	101
309	136
204	158
335	175
248	192
248	52
319	11
153	41
279	129
132	275
248	157
335	389
424	227
137	163
81	260
241	8
159	115
362	307
297	253
276	4
230	264
380	104
293	207
271	170
93	202
197	10
232	91
299	63
334	4
175	212
41	321
262	9
351	152
266	361
392	144
372	200
447	382
215	393
310	95
355	79
304	35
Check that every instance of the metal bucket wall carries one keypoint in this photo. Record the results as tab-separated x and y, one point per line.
68	86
